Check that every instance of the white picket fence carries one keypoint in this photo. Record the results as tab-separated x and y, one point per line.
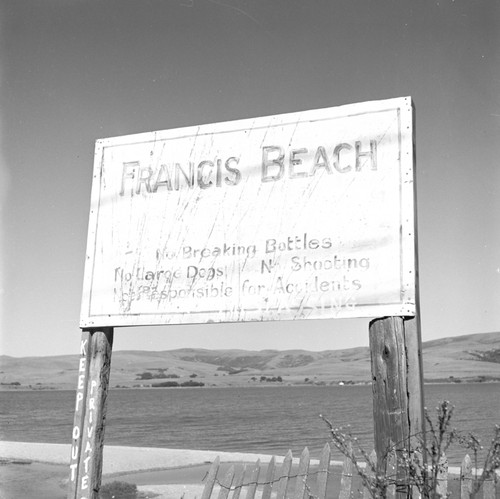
303	482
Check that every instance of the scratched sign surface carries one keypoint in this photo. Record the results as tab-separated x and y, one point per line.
302	215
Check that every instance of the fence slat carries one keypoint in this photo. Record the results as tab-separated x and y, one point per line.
254	477
466	478
346	479
238	481
268	487
284	474
225	483
300	484
210	480
324	464
442	476
391	471
370	473
419	463
489	488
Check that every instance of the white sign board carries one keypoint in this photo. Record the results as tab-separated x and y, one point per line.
295	216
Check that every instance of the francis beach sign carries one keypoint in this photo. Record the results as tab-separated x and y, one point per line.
294	216
304	215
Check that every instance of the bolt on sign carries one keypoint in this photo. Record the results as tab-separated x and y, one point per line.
293	216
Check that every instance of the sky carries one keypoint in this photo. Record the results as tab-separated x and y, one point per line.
72	72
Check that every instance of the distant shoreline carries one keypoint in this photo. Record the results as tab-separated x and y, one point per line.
4	387
470	359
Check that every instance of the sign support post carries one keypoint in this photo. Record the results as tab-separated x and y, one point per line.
397	378
90	413
397	383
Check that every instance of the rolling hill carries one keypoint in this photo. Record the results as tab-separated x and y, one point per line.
474	357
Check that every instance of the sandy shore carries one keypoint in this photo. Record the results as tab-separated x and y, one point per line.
119	459
160	473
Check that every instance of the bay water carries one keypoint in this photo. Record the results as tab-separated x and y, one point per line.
267	420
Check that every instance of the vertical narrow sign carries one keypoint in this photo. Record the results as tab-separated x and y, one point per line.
90	414
81	395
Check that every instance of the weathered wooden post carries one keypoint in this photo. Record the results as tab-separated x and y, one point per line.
90	413
397	383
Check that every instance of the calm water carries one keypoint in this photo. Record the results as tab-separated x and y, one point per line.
267	420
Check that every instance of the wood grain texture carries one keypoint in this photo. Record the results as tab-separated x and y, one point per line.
284	474
442	477
210	479
346	480
254	478
239	476
389	384
225	483
301	481
324	464
370	474
397	384
466	478
268	480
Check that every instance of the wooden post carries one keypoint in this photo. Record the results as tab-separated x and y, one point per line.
90	413
397	383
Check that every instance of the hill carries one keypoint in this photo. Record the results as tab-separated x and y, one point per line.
474	357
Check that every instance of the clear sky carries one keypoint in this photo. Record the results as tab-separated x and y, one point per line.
75	71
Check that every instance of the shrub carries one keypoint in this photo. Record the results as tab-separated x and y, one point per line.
192	383
439	437
274	379
118	490
159	375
